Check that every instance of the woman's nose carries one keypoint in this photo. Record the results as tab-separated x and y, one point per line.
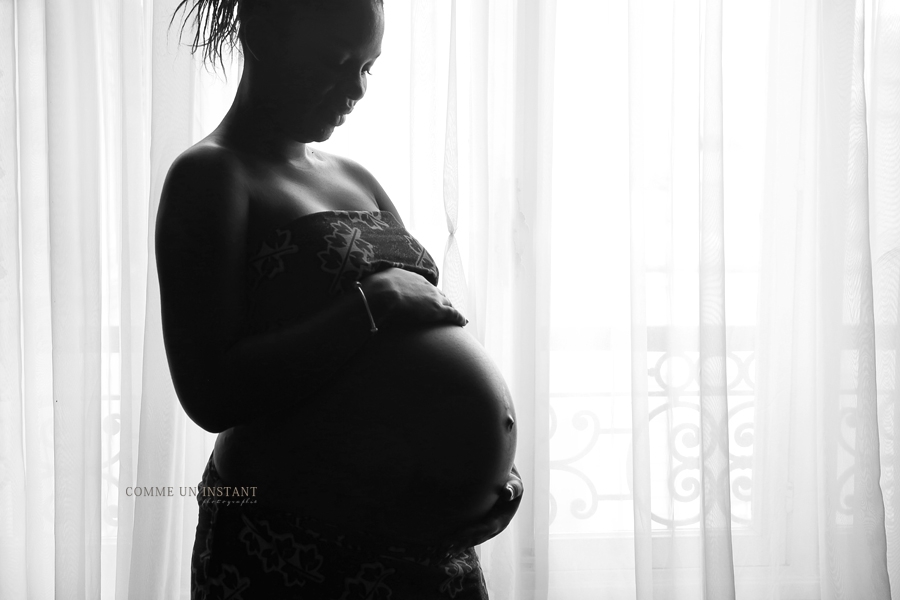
355	86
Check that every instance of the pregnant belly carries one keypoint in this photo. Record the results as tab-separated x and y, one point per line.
413	438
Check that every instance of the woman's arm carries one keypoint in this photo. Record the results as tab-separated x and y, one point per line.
223	379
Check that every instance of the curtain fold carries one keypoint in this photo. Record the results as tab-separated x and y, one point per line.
714	467
34	295
523	214
752	346
74	234
884	232
819	329
674	226
12	528
131	224
640	408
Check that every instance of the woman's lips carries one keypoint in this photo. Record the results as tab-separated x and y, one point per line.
338	118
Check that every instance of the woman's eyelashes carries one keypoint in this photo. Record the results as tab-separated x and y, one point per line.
351	70
321	76
347	64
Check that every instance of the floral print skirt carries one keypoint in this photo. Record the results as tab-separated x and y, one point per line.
243	551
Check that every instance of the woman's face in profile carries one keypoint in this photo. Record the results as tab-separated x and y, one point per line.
311	68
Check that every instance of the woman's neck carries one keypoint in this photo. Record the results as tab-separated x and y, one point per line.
249	127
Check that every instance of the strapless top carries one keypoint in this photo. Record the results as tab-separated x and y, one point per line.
304	263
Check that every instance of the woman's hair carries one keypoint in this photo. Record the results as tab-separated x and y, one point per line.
217	24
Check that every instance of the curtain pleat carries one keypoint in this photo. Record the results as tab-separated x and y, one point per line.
884	216
521	339
75	294
13	500
640	419
854	555
428	118
817	400
715	472
133	233
37	393
453	275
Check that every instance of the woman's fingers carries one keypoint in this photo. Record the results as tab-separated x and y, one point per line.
457	317
411	298
452	315
498	518
513	491
514	485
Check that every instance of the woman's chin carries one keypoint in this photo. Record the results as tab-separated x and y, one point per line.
318	134
317	130
307	136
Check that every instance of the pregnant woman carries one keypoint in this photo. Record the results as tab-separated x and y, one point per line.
303	324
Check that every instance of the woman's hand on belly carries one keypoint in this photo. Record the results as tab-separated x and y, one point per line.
496	520
403	298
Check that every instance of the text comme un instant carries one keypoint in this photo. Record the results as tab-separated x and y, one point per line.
206	491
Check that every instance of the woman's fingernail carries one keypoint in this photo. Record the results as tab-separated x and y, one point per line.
512	492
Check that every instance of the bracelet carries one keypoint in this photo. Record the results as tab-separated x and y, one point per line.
374	328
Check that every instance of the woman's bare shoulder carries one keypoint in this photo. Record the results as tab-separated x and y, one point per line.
205	184
204	164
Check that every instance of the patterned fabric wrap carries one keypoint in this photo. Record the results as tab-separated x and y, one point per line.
243	551
302	264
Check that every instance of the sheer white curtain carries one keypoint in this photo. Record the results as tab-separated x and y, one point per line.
73	275
675	226
724	399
